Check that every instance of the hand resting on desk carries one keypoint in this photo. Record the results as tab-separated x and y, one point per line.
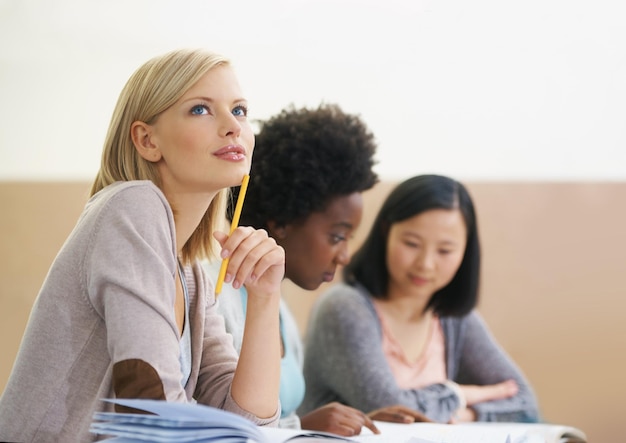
344	420
477	394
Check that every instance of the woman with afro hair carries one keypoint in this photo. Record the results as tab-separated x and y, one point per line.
309	169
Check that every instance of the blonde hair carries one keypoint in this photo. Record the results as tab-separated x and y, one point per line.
152	89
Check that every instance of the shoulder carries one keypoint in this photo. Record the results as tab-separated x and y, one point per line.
344	303
134	196
139	202
344	295
123	212
344	318
472	318
459	328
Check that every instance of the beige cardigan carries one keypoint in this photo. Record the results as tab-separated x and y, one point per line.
103	325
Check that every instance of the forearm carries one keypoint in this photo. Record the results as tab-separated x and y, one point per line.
522	407
484	362
256	382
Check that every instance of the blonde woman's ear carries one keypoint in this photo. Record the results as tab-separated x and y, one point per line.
141	134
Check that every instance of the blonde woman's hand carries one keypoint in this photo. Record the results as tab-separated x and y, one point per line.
254	259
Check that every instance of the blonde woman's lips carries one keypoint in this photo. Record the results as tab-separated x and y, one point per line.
231	153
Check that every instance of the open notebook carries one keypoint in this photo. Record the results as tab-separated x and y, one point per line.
166	422
194	423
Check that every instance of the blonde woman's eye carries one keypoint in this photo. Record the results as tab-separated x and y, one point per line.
240	111
199	110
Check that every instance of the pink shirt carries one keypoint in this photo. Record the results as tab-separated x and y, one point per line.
429	368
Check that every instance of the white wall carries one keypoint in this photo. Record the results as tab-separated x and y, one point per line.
488	89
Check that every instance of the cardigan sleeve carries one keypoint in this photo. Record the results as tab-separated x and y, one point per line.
129	273
482	361
344	361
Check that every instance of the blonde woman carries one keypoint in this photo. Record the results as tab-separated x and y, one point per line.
126	310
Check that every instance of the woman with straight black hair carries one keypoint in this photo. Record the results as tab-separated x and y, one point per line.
402	328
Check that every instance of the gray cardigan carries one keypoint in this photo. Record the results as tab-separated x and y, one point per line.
344	362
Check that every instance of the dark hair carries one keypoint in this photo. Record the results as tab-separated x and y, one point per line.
412	197
304	158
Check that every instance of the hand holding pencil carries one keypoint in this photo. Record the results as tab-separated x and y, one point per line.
233	225
254	255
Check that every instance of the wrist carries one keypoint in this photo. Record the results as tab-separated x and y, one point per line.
260	299
459	394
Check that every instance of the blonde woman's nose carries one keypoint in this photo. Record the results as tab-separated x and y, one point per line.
229	125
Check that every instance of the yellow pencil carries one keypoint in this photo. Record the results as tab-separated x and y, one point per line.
233	226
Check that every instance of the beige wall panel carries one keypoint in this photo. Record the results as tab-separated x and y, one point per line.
553	287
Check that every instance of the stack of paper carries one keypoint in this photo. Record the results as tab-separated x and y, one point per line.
195	423
179	422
